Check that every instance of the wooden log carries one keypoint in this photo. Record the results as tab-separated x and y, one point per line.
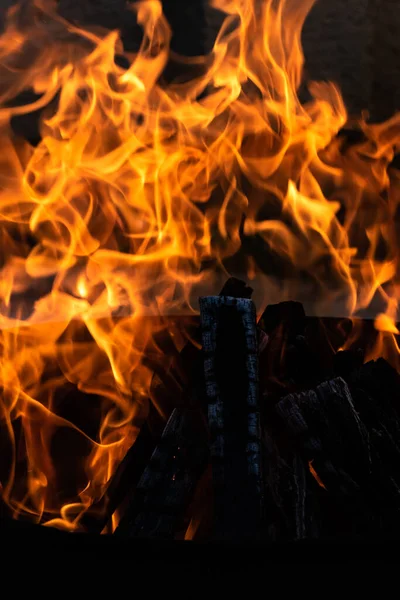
374	387
290	506
168	482
236	288
124	479
287	360
230	348
292	511
328	433
187	370
381	381
345	362
288	315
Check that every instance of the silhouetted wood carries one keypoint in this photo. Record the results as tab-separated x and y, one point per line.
124	479
289	315
327	431
345	362
236	288
168	481
291	508
375	388
286	360
230	348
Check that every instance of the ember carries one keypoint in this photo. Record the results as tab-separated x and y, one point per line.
140	196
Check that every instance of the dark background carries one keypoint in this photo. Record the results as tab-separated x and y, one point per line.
356	43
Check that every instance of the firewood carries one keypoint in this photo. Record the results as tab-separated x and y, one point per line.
168	481
327	431
230	348
287	360
187	362
381	381
289	315
347	361
291	510
374	388
236	288
289	486
124	479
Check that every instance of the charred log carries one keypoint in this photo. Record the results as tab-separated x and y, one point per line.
236	288
289	316
327	431
230	349
168	482
123	481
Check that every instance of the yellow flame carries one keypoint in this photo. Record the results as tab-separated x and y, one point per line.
137	193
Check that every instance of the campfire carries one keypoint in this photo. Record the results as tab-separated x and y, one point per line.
199	284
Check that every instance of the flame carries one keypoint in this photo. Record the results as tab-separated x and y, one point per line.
139	192
315	474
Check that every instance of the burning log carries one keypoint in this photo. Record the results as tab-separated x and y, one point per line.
346	362
291	510
331	433
374	388
289	316
123	481
350	449
236	288
130	469
286	358
231	376
168	482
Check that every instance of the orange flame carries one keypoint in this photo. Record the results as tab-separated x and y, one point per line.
137	194
315	475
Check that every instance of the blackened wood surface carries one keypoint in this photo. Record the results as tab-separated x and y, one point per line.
286	358
375	389
291	507
123	481
168	482
334	445
230	348
288	315
236	288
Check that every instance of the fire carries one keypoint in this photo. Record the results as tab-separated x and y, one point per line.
315	475
138	192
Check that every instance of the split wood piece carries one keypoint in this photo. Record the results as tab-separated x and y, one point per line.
345	362
186	366
132	466
236	288
331	438
287	361
289	315
124	479
290	506
167	484
381	381
374	388
230	348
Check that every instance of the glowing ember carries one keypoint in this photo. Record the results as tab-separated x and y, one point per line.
138	192
315	475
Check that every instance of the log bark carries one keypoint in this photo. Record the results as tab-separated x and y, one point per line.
230	347
326	430
123	481
168	482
